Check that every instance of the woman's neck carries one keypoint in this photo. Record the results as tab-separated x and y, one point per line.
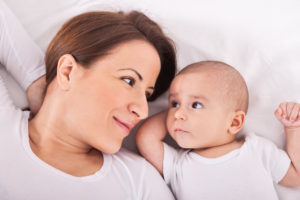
55	143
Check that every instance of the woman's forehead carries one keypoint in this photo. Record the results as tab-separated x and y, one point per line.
136	57
132	53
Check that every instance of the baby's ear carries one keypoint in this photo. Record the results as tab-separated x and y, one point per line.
237	122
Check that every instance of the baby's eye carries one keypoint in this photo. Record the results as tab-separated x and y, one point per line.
197	105
174	104
129	81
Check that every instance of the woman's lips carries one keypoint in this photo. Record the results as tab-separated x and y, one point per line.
125	126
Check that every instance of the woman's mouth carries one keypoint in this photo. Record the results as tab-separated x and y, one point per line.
126	127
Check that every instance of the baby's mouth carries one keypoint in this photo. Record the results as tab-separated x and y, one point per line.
179	130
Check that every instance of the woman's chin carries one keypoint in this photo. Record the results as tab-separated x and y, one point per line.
111	149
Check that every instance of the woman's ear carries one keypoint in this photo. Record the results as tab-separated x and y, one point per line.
237	123
65	66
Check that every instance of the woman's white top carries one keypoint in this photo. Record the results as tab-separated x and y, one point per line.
23	176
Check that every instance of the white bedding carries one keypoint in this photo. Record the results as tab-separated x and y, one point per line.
261	38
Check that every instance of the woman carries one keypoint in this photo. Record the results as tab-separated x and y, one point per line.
100	69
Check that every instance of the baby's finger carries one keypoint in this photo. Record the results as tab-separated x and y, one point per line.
289	108
295	112
283	108
278	113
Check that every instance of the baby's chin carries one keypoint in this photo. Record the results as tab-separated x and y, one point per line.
181	142
189	144
184	144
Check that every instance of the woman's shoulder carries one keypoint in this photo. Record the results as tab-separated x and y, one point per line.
12	120
141	175
128	157
132	163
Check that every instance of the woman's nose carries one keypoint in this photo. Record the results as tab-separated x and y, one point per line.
139	107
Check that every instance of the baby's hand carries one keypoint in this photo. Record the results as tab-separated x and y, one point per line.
288	114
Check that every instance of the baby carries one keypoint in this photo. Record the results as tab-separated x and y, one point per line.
208	103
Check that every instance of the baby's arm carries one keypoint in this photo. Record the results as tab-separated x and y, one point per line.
150	137
289	115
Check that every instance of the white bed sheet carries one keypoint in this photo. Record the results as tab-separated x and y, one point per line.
261	38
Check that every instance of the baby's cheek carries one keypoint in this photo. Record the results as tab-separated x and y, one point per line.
169	123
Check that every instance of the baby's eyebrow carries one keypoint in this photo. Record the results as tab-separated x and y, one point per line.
190	96
199	97
171	95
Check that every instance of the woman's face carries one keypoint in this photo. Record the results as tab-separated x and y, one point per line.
107	100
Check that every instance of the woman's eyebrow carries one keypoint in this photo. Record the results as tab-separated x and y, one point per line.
138	74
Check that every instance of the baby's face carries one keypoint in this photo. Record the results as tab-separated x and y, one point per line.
198	114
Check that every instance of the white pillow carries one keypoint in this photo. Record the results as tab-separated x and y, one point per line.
259	38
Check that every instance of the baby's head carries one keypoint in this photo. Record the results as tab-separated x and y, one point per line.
207	105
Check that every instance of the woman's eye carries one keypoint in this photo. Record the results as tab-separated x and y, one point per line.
174	104
197	105
148	95
129	81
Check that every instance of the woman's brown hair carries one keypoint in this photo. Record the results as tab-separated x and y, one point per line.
91	35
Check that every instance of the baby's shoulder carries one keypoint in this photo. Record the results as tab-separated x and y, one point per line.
255	139
259	144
